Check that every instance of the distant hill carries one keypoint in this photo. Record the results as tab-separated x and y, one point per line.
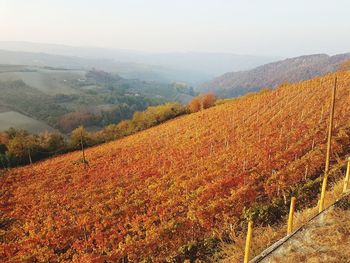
191	67
270	75
48	94
125	69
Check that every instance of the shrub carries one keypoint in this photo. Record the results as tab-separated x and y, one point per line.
201	102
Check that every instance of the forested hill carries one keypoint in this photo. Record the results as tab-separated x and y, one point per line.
271	75
164	194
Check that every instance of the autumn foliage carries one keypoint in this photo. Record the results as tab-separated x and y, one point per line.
345	66
201	102
149	196
72	120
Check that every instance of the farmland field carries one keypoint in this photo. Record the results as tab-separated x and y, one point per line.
48	81
17	120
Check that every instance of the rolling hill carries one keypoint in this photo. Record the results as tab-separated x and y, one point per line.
10	119
273	74
130	70
190	67
47	94
162	195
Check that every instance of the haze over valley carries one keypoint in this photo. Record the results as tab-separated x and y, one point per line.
174	131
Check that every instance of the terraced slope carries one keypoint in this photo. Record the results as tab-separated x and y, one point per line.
159	195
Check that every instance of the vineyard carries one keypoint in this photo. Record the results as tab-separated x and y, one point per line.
155	195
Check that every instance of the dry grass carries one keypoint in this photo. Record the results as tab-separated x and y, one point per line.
263	237
327	239
301	217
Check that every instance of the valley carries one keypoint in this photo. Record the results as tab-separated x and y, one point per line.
50	95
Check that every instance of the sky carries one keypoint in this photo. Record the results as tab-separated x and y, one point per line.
256	27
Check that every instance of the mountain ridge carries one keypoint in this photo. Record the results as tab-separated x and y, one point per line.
205	65
273	74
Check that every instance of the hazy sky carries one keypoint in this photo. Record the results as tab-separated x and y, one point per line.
261	27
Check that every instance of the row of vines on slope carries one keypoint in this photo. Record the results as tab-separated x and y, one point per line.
149	195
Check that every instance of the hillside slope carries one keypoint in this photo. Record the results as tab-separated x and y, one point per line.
159	195
272	74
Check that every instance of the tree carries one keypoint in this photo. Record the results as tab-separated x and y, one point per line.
345	65
73	120
201	102
79	137
195	104
51	142
3	142
208	100
12	133
21	146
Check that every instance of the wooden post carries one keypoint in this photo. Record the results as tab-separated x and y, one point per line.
82	147
328	156
347	177
30	156
248	242
291	215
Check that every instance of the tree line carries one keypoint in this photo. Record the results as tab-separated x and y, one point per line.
19	147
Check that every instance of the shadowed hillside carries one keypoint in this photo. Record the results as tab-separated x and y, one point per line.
272	74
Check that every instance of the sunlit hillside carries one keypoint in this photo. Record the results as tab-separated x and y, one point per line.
159	195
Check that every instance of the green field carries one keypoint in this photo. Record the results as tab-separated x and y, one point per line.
49	81
17	120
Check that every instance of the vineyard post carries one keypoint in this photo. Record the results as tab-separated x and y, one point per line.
330	129
291	215
248	242
82	146
30	156
347	177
